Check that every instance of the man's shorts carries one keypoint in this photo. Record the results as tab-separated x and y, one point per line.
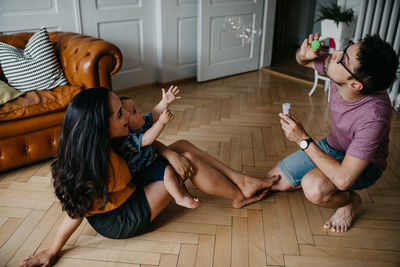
296	165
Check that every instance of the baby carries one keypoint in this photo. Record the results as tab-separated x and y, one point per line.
145	163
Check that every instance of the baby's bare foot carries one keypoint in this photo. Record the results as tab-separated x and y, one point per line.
342	219
188	201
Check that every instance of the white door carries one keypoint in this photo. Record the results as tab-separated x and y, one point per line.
222	52
178	39
130	25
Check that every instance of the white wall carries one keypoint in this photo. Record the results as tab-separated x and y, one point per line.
155	48
131	25
158	38
23	15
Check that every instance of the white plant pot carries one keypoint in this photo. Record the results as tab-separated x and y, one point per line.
330	29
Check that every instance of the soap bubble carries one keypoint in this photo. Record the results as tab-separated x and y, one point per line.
243	37
249	34
232	24
252	29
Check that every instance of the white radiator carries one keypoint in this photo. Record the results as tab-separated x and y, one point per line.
382	17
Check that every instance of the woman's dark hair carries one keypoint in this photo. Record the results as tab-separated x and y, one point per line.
378	64
80	170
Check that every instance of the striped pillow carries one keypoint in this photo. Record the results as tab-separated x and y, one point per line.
34	68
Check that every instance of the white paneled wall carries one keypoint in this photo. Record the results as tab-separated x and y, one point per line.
131	25
157	37
23	15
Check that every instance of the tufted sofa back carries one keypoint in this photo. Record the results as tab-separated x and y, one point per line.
79	57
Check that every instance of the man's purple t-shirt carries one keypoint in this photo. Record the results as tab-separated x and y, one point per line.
360	128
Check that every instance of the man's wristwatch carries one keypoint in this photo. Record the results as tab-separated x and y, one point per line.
305	143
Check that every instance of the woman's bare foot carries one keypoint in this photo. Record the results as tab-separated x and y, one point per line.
240	203
187	201
343	217
250	185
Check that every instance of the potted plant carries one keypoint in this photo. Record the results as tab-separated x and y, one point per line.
335	22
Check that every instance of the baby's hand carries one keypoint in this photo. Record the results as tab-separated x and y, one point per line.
171	95
166	116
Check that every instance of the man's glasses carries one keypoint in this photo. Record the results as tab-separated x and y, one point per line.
342	58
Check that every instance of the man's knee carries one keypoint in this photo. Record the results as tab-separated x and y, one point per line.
314	189
283	184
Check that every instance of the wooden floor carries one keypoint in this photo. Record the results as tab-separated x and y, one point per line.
234	119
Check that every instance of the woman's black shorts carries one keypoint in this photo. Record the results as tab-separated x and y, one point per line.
130	219
133	217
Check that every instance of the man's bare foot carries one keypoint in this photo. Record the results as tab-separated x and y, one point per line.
188	201
343	217
240	203
251	185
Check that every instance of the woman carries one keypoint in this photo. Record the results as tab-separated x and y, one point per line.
92	181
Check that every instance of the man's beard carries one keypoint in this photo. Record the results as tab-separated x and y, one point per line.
325	67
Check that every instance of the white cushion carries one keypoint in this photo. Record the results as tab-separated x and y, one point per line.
34	68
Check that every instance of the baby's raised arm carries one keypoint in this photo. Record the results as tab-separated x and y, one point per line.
154	131
166	100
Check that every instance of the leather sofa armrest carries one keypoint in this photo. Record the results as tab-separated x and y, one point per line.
86	61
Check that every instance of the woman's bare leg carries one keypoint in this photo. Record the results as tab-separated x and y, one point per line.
248	185
211	177
209	180
157	196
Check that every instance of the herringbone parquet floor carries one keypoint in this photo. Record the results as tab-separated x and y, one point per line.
235	120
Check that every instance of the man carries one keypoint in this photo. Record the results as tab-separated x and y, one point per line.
353	156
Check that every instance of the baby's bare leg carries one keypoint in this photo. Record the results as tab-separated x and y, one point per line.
177	189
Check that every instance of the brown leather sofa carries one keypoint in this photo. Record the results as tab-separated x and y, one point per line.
30	125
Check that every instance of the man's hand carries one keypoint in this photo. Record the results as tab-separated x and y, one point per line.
306	53
171	95
166	116
294	131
